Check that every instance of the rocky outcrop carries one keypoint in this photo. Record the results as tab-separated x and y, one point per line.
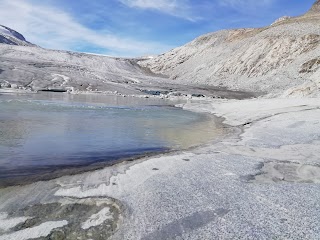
310	66
284	18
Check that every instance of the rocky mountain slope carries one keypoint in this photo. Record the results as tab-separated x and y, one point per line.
12	37
315	9
33	68
25	66
280	59
283	58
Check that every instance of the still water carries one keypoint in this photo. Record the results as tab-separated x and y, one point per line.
42	133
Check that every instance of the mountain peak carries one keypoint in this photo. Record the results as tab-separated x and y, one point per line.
12	37
315	9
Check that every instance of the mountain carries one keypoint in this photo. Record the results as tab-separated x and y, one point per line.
34	68
282	59
12	37
315	9
26	66
272	59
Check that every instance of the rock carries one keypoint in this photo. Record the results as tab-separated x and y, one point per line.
310	66
197	95
284	18
14	86
5	85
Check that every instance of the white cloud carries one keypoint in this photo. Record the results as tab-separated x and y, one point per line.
177	8
161	5
53	28
245	4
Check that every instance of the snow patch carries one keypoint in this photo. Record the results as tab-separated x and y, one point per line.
8	223
5	31
97	219
42	230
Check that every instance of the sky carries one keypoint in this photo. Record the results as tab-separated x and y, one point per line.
136	27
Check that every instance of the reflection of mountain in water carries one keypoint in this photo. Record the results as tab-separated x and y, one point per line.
199	132
13	129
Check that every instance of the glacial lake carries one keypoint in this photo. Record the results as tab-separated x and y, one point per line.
47	133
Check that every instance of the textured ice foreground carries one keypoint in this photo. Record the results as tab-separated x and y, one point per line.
245	186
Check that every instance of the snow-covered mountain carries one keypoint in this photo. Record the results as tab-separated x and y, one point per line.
24	65
285	55
12	37
35	68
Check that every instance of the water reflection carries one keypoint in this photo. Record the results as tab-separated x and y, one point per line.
39	132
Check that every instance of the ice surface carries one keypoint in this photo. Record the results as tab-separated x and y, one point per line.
42	230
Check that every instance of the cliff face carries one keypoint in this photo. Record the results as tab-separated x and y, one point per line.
271	59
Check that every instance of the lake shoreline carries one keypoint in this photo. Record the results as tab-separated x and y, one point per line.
223	178
25	176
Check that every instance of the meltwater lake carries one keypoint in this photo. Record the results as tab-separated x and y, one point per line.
44	134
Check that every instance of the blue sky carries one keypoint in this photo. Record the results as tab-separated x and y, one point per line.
136	27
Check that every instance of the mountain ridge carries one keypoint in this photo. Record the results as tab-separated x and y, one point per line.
315	9
282	59
269	59
12	37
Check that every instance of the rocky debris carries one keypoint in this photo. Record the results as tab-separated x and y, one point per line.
5	85
310	88
284	18
310	66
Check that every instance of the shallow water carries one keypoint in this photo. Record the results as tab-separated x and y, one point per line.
40	133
